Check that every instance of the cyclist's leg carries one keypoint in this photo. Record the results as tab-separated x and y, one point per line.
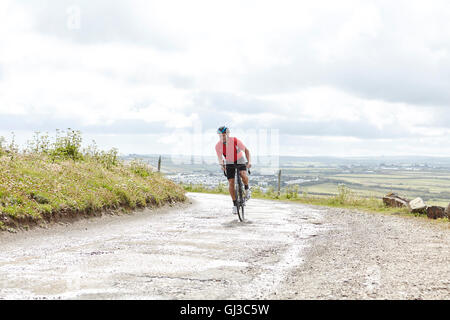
231	189
244	177
231	171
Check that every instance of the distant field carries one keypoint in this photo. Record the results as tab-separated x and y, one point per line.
433	187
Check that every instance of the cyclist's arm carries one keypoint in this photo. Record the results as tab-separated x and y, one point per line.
221	162
249	158
246	151
220	158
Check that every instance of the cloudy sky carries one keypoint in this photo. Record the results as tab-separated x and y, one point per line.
339	78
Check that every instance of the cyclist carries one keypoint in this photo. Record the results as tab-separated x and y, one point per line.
230	153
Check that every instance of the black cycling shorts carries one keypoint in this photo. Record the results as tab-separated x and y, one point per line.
231	169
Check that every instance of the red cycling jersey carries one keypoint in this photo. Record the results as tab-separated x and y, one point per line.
232	150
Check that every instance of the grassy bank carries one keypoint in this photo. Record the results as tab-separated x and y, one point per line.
344	198
52	180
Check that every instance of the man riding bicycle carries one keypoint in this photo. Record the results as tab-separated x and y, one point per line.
230	153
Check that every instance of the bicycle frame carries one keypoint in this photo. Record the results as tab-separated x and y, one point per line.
238	187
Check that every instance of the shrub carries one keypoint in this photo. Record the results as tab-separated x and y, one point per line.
344	195
39	144
11	149
67	146
291	192
2	145
270	192
108	158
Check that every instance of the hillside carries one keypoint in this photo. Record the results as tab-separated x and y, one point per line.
54	181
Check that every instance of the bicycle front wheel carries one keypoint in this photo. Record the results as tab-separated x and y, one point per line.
240	199
241	212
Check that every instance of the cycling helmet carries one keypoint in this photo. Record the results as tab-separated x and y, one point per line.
222	130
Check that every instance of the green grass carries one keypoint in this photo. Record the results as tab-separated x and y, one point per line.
39	186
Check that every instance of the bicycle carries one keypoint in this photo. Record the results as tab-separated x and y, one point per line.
239	192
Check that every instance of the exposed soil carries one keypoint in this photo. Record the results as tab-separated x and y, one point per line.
27	222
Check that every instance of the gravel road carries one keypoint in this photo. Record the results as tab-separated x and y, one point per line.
201	251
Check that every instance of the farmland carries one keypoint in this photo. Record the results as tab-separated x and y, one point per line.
411	177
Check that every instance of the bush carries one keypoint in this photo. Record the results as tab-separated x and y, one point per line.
39	144
12	149
344	195
271	192
67	146
108	158
2	145
291	192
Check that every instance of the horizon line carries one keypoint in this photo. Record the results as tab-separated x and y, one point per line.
299	156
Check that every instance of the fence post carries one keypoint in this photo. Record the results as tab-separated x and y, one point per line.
159	164
279	182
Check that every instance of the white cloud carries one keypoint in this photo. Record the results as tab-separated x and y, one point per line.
358	71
